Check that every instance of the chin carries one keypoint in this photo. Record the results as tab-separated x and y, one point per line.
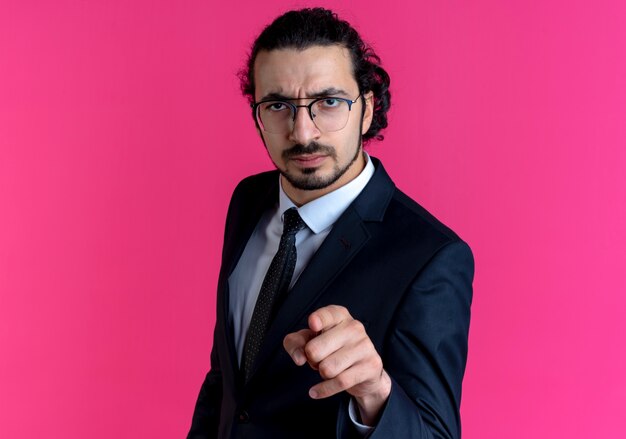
309	180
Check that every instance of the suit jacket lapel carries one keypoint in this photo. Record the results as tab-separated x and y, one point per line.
346	239
244	214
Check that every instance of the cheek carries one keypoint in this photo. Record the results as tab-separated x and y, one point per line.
274	146
355	135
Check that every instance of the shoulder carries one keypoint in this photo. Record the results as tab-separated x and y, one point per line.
256	183
401	216
251	196
403	206
424	237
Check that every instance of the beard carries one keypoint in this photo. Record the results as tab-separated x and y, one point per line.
309	179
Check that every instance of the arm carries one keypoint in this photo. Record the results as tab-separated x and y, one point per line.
418	392
206	414
426	351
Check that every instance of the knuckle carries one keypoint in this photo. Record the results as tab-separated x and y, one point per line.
356	326
331	367
311	351
376	362
338	308
342	310
326	315
335	312
343	381
326	370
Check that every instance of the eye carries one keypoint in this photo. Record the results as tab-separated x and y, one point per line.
330	103
275	106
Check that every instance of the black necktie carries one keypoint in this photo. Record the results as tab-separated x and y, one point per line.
275	285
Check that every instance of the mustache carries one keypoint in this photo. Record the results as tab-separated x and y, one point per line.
311	148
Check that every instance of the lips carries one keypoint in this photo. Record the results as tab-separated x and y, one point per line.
308	160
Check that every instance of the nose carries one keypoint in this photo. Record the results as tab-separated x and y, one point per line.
303	130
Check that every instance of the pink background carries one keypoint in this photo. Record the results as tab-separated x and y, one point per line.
122	135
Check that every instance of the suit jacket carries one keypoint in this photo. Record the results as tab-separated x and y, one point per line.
398	270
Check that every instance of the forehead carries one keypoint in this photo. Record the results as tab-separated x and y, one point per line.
302	73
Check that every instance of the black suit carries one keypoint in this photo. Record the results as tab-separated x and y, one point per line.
399	271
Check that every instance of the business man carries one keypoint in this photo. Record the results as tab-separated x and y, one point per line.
343	306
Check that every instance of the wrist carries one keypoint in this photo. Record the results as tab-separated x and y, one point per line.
371	405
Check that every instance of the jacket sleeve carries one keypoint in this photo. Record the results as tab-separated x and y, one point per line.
206	415
426	351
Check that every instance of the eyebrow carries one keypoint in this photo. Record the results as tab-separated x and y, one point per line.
330	91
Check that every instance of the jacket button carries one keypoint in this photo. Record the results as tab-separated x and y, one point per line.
243	417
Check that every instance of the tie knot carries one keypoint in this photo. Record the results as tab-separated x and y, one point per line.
292	223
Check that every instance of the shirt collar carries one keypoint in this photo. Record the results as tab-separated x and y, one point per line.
322	212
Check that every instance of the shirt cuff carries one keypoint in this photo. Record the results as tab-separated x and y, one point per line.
352	411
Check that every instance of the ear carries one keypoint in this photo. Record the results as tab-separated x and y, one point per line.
368	115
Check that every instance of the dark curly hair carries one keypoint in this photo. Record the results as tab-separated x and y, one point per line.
321	27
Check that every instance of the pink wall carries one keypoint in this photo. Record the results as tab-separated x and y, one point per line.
122	134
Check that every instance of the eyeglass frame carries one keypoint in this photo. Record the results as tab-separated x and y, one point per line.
309	107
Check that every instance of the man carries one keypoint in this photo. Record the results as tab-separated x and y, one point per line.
343	306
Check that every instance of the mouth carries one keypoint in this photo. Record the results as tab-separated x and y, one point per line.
308	160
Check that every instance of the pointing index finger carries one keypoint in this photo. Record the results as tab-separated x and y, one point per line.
327	317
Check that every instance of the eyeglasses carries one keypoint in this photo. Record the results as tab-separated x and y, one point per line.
278	116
